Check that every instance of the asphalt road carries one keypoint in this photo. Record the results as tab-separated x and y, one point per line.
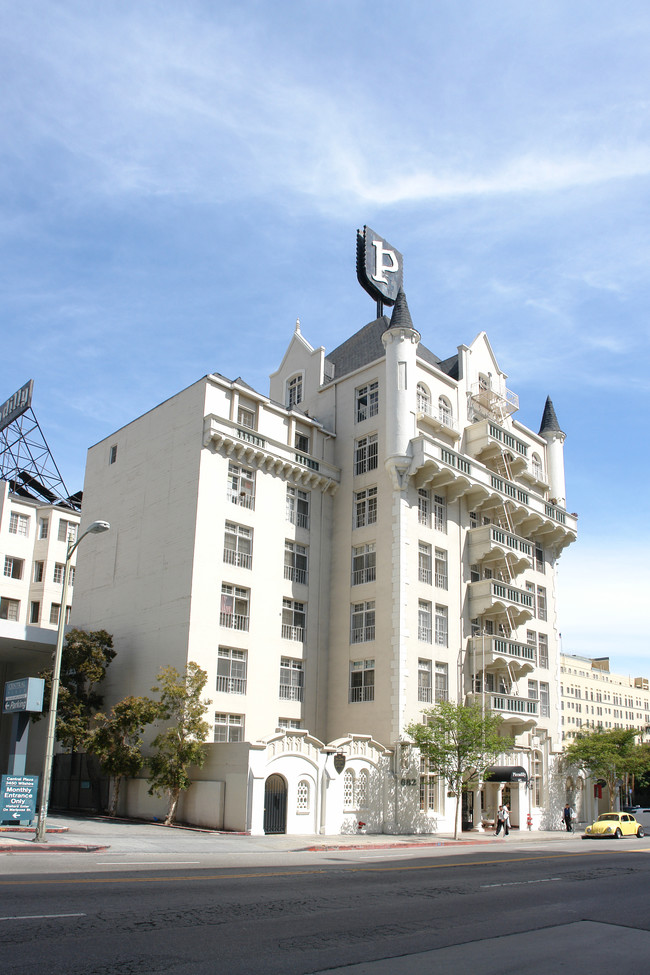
574	908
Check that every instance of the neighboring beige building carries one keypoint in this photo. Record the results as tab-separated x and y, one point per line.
591	697
377	534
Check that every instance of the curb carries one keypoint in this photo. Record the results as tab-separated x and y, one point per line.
50	848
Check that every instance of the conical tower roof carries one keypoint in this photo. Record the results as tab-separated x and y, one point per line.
401	317
550	423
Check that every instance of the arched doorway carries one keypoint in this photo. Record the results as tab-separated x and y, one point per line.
275	805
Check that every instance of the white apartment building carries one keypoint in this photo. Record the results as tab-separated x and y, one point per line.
33	549
378	533
592	697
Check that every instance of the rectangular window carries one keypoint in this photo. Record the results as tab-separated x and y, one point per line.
367	401
441	569
544	700
292	679
231	671
425	681
112	456
424	563
228	727
439	513
246	417
530	588
362	622
428	787
424	621
293	620
302	443
364	564
67	531
362	680
442	682
298	507
366	454
543	650
34	612
442	632
55	610
13	567
43	525
18	524
289	724
365	507
541	602
235	607
38	571
9	609
539	559
241	486
533	693
424	508
238	545
58	573
295	562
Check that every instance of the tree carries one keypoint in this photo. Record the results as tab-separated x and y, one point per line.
181	745
460	742
608	754
117	739
84	661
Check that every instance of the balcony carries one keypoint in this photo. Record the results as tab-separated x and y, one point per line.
492	598
290	632
294	574
515	711
488	442
494	401
290	692
243	499
441	421
231	685
490	651
493	546
234	621
242	559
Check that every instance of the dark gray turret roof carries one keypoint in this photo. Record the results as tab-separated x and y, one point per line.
401	317
550	422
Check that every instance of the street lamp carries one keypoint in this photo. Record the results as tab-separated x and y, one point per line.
95	529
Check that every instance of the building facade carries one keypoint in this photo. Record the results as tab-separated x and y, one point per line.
377	534
592	697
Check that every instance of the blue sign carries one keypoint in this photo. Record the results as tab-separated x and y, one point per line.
25	694
18	797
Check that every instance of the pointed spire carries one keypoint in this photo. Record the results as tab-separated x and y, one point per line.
298	326
549	419
401	317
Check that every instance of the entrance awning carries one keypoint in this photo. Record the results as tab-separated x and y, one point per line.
506	773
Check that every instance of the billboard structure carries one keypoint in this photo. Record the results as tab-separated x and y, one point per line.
26	461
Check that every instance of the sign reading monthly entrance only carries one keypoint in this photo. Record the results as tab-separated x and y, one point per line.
379	267
18	797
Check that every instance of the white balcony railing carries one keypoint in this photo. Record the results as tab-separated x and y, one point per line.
231	685
293	632
234	621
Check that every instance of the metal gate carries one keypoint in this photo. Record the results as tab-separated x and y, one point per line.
275	805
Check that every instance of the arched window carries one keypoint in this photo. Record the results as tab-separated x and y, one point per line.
538	469
302	800
445	413
294	390
348	789
362	789
423	399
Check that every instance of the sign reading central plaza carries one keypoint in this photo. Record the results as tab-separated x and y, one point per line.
24	694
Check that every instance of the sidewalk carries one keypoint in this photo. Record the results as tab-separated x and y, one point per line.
70	834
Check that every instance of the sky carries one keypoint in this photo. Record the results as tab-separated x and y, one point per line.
180	181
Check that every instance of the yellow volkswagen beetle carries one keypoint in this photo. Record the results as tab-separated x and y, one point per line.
613	825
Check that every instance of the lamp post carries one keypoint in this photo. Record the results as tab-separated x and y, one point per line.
96	528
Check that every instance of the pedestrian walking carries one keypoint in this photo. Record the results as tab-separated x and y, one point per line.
503	820
568	815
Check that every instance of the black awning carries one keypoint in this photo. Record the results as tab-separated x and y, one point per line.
506	773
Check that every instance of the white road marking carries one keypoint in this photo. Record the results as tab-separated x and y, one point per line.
147	863
522	883
37	917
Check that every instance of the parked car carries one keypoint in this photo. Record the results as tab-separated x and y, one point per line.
614	825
